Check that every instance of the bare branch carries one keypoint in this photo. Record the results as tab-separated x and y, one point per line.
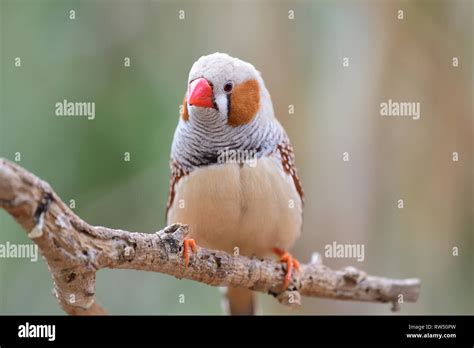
75	250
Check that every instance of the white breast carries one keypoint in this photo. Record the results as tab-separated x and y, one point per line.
229	205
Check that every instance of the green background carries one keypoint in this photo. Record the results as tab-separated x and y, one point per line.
336	110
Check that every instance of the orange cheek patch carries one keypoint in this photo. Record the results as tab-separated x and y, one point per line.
244	103
184	110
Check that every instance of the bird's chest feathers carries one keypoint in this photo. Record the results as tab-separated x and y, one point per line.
252	208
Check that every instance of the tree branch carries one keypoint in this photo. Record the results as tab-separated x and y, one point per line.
75	251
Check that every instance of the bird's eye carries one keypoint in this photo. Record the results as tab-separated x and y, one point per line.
228	87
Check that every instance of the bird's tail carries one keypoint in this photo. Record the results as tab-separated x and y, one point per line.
239	301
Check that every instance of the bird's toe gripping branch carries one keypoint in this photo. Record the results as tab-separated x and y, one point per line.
179	232
292	264
188	244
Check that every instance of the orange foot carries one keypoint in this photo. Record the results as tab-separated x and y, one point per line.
188	243
291	263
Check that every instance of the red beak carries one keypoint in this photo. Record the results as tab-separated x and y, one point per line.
200	93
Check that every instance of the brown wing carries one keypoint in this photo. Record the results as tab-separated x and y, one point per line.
285	150
177	172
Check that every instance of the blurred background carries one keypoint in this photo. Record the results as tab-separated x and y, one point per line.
337	110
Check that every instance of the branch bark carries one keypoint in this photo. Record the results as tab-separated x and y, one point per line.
75	251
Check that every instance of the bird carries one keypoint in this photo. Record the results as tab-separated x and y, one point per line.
233	175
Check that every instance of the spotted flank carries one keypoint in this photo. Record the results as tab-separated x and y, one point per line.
177	172
287	156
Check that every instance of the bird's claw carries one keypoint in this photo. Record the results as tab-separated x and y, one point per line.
188	243
291	264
